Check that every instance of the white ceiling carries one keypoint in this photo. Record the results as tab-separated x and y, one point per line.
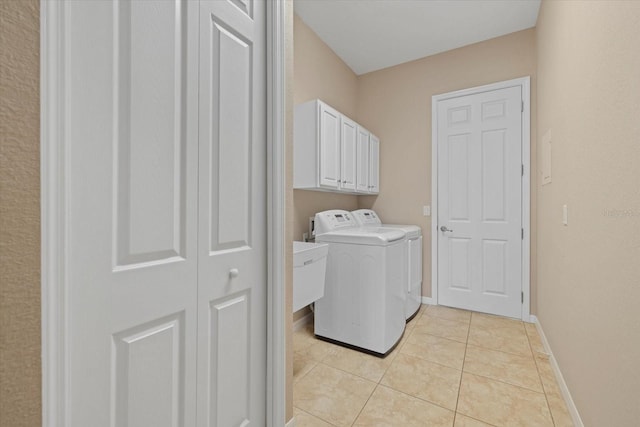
373	34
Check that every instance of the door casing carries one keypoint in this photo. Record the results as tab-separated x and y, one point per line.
53	163
524	83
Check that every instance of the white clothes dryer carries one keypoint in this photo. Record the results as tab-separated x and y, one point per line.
363	303
413	262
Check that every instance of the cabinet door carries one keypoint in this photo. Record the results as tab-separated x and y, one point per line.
329	147
374	164
362	162
349	134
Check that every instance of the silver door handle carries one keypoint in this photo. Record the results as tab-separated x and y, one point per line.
445	229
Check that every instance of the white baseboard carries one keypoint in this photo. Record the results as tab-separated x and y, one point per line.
292	421
571	406
302	322
428	300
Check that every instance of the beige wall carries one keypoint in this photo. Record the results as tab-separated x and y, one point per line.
319	73
20	372
395	104
588	271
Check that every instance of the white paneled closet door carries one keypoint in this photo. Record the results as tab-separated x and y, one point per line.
131	173
232	267
165	304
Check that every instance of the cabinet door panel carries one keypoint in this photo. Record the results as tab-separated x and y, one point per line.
362	162
374	164
329	147
348	141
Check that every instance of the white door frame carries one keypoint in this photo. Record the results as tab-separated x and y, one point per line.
54	220
524	83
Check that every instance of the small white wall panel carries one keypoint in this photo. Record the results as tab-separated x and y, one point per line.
149	131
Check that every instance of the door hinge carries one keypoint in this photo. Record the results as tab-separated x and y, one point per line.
523	170
522	234
522	106
522	297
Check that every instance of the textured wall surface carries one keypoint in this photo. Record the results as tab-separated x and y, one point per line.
588	271
20	371
395	103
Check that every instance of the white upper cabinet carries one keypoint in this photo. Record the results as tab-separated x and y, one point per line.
332	152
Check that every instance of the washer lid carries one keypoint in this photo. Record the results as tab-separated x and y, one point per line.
412	231
373	236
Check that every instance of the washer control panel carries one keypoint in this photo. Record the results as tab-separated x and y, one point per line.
366	217
334	220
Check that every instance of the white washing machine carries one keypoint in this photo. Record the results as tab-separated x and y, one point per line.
413	262
363	303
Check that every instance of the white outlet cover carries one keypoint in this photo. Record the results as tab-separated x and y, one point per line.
426	210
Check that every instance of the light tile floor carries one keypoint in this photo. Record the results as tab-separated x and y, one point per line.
451	368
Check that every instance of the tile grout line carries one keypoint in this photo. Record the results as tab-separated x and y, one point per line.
504	382
416	397
306	373
466	345
365	404
315	416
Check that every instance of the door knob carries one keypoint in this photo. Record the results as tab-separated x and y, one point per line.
445	229
234	273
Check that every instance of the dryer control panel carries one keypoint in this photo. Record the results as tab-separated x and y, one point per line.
366	217
333	220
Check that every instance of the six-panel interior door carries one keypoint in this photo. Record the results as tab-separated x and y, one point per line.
480	202
232	267
131	173
166	187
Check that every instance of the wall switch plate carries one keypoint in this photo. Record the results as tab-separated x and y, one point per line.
426	210
565	215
